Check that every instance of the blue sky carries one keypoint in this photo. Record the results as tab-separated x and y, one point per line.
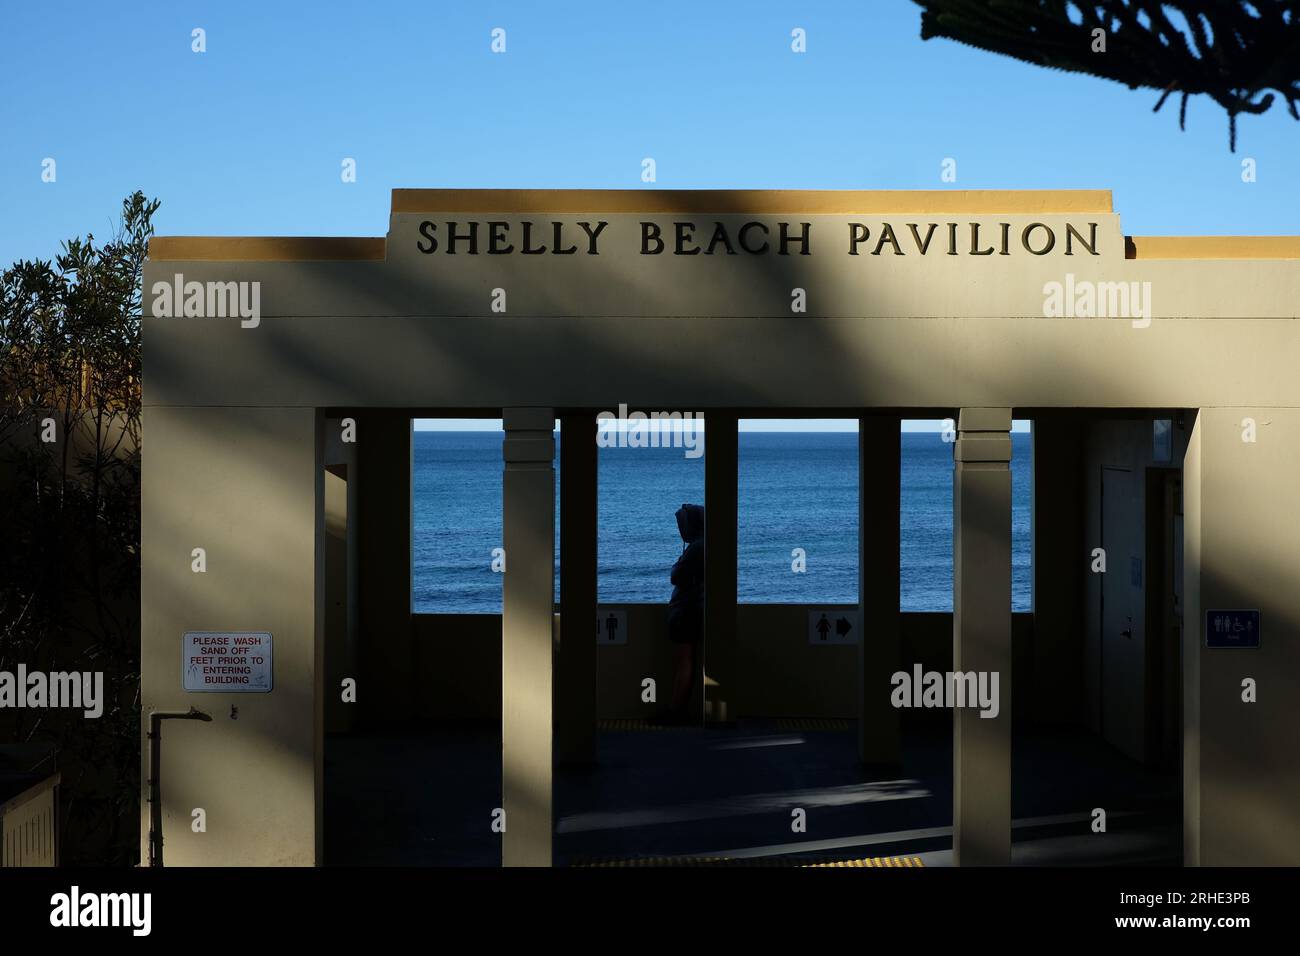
248	138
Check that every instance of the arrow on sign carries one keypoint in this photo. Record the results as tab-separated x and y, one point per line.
842	626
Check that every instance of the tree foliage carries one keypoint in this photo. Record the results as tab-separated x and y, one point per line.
70	565
1242	54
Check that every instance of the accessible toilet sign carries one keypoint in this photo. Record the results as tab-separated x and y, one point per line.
231	662
1232	628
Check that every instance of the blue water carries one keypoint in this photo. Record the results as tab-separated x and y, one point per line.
796	490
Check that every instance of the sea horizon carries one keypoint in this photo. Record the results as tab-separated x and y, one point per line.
796	490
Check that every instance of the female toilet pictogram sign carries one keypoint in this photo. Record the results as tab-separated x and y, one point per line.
829	626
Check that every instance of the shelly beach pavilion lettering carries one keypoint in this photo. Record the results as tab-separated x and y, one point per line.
690	238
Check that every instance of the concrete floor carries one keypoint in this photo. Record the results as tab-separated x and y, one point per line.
425	798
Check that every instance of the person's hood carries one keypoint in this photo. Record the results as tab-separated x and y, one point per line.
690	522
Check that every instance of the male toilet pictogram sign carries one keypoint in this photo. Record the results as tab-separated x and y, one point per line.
611	626
826	626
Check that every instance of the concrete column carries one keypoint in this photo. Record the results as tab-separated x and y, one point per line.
880	649
1192	639
575	696
340	606
981	634
243	484
720	652
385	691
1241	781
528	525
1060	569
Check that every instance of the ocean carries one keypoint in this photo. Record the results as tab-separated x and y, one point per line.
796	490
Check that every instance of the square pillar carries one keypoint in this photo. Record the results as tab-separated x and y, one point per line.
340	599
981	634
575	696
880	646
1241	780
528	526
720	652
258	515
386	688
1060	551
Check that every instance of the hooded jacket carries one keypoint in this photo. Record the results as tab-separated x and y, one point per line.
688	572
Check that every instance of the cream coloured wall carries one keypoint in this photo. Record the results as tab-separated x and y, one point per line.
233	452
1241	778
242	484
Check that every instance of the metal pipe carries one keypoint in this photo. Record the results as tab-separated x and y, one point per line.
156	717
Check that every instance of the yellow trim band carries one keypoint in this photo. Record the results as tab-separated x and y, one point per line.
826	202
1212	247
266	248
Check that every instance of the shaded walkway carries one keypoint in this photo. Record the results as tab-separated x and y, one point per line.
425	798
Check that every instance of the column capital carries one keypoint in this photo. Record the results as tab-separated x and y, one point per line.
528	419
983	435
990	447
984	420
530	435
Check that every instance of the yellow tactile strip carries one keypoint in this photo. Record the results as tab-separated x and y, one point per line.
906	862
629	723
886	861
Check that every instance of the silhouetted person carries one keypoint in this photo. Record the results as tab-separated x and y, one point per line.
686	610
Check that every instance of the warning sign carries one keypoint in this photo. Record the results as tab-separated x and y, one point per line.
230	662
